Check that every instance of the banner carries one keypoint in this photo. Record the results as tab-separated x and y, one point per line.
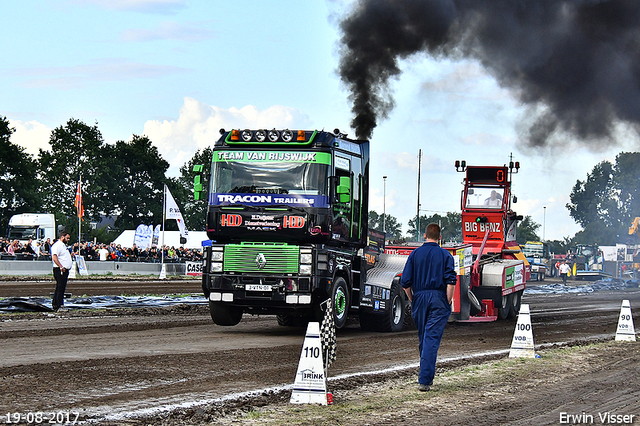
155	241
173	212
82	266
143	236
193	268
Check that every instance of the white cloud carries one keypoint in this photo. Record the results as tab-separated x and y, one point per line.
144	6
112	69
187	31
466	80
409	161
488	139
198	125
378	203
31	135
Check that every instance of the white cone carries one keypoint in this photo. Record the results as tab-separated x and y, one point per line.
163	272
626	331
522	343
72	271
310	385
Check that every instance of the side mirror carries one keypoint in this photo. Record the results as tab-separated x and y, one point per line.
344	189
197	182
515	199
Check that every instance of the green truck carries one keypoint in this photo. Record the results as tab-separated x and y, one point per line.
287	223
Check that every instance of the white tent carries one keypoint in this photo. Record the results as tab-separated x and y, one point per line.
171	239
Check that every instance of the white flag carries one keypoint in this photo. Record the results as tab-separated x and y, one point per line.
173	212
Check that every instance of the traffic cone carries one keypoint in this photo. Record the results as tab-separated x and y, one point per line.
522	343
310	385
72	271
626	331
163	272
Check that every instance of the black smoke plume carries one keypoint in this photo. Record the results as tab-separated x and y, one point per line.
576	62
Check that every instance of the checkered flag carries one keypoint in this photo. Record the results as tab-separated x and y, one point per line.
328	335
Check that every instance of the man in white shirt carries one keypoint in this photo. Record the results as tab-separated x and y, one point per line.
564	271
61	259
103	253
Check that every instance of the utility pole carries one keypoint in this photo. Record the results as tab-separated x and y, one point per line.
418	208
544	223
384	207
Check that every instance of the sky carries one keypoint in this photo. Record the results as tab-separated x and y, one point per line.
179	70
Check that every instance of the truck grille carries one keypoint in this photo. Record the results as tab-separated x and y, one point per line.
261	258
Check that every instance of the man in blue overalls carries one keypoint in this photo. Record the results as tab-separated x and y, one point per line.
429	280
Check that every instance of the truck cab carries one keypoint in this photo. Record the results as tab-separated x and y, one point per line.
538	255
32	226
287	224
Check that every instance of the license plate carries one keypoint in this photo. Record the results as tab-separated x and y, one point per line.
257	287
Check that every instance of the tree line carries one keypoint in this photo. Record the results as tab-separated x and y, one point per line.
125	180
604	205
450	225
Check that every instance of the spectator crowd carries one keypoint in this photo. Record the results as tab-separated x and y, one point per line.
41	250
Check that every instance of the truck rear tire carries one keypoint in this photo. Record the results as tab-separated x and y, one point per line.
393	319
223	314
340	301
515	299
503	303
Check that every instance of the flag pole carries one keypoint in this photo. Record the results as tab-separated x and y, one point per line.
79	210
164	206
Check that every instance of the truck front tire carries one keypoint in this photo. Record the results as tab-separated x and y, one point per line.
340	301
223	314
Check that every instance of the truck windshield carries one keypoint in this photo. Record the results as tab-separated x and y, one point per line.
298	178
533	250
22	233
484	197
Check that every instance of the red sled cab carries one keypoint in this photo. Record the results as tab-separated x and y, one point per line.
492	270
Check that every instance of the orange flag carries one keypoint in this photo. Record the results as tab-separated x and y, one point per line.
79	207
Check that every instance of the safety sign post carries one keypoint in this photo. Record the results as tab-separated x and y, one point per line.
310	385
626	331
522	343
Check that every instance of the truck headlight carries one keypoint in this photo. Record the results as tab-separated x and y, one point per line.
305	258
216	256
216	266
305	269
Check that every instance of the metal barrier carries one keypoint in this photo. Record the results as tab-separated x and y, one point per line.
34	268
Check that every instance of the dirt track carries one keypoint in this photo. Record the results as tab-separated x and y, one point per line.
128	360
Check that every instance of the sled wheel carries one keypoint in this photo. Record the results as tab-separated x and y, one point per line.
392	320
